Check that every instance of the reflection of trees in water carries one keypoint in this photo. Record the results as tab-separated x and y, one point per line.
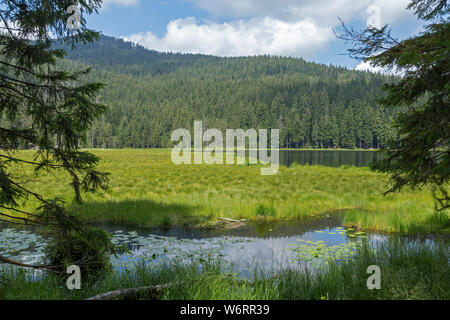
266	230
329	158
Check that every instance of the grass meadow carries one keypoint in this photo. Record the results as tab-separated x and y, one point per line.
147	189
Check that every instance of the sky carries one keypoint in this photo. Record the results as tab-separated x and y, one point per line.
296	28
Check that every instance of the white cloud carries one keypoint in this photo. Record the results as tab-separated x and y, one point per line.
106	3
321	11
299	28
239	38
394	11
366	66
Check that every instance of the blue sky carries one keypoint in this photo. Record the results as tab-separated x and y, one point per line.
299	28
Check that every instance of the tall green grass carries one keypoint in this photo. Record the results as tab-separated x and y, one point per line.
408	271
147	189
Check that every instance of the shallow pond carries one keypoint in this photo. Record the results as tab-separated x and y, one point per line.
266	247
330	158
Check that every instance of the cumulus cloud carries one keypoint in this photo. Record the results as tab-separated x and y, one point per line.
286	9
239	38
366	66
298	28
321	11
393	12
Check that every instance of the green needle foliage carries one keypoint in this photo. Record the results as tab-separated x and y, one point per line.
420	154
47	109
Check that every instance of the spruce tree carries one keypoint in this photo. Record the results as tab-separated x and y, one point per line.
419	154
58	107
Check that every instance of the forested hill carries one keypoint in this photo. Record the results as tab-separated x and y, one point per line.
119	56
151	93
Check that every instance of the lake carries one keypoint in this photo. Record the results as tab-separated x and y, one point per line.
267	247
330	158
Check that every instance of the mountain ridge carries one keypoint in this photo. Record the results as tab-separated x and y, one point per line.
150	94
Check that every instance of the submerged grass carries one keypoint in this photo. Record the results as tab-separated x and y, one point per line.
147	189
408	271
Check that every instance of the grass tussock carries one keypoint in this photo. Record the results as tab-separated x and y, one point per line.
147	189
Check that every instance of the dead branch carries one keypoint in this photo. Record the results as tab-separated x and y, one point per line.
20	264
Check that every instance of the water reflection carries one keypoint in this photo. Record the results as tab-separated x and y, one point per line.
263	247
274	229
329	158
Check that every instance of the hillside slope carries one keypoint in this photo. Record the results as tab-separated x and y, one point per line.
151	93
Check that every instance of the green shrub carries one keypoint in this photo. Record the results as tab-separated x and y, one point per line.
87	248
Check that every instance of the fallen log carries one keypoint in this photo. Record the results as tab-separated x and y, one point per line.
131	292
230	220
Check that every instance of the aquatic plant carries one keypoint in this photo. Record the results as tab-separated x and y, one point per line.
413	271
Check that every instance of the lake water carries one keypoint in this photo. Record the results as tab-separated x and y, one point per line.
267	247
329	158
